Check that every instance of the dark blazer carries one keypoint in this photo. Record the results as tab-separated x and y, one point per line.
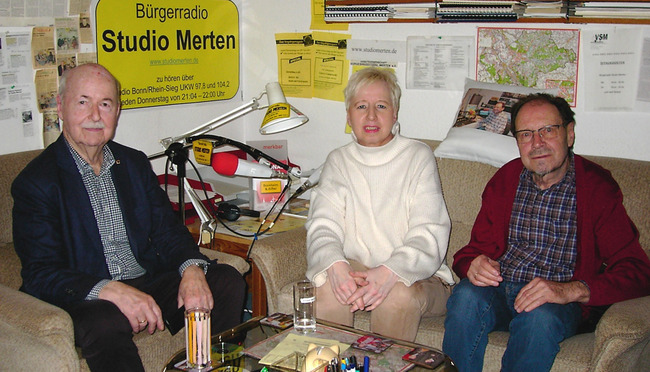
56	234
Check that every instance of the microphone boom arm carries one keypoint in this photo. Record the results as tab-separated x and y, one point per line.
255	153
208	224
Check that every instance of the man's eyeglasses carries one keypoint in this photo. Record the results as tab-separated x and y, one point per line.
547	132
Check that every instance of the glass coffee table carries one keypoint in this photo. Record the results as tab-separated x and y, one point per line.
242	347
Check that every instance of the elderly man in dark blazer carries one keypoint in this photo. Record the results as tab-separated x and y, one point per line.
97	236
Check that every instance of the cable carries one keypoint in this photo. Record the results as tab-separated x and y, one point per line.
213	211
258	233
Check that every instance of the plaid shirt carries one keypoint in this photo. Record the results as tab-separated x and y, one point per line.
543	228
495	123
103	199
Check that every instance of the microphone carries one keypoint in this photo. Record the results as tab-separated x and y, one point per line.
311	181
230	165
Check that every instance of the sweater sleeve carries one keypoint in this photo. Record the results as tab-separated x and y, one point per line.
325	230
612	262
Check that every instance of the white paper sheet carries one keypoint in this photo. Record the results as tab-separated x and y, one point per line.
644	74
375	51
438	62
612	64
19	116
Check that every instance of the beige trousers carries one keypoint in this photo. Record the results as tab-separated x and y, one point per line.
398	316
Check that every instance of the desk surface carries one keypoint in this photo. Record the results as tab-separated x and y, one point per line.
249	226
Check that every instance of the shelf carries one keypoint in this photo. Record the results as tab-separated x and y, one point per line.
563	20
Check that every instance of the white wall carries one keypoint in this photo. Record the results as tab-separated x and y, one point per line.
424	113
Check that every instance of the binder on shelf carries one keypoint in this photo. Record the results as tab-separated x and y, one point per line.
558	11
479	11
413	10
631	10
356	13
479	17
335	11
371	2
545	9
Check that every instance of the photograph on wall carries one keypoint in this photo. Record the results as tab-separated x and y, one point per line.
43	52
65	61
486	109
85	30
45	82
67	35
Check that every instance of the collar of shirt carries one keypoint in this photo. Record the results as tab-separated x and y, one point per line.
84	167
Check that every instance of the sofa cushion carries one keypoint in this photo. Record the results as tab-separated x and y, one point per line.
10	166
225	258
10	266
478	145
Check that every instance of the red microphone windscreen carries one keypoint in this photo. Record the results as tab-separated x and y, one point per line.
225	164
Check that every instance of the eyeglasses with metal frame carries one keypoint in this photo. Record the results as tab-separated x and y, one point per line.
546	132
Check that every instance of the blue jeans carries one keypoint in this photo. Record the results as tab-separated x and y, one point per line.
473	312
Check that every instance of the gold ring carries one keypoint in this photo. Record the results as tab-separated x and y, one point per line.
142	321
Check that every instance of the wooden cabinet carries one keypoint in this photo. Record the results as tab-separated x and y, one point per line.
238	246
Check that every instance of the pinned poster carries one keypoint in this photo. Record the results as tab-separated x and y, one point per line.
295	63
331	66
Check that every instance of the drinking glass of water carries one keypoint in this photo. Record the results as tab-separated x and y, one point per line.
304	302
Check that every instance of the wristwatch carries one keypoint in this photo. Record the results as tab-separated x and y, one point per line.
203	266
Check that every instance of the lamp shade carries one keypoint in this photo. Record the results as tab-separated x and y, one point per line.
280	115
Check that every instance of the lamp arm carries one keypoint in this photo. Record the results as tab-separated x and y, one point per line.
214	123
255	153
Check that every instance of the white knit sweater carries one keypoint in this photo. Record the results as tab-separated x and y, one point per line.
380	206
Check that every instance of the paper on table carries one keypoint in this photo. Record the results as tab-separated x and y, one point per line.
295	342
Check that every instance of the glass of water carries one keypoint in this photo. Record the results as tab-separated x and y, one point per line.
304	302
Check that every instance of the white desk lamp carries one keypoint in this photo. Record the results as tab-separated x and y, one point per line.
280	116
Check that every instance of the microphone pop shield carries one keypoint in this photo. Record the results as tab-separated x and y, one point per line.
230	165
225	164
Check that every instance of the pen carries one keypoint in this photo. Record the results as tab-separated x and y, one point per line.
366	364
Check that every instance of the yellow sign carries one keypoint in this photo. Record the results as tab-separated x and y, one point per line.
271	187
171	51
203	151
